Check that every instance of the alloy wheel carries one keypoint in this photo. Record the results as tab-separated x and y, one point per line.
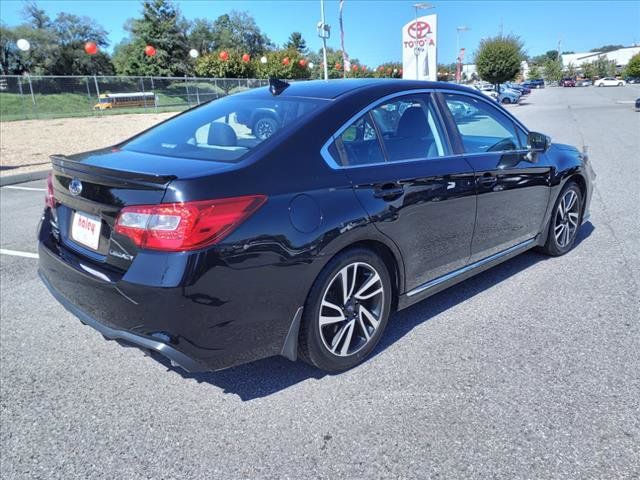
351	309
264	128
566	219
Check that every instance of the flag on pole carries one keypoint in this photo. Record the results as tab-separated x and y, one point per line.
345	57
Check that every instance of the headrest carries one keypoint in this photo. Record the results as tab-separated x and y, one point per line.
222	134
413	123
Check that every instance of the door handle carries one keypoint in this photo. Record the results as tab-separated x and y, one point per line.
389	191
487	180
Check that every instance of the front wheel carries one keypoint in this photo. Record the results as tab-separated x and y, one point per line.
346	311
506	101
265	127
620	84
565	221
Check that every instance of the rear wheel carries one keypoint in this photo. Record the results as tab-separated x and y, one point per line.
346	311
506	101
565	221
265	127
620	84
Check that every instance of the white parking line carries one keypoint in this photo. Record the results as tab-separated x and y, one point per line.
33	189
16	253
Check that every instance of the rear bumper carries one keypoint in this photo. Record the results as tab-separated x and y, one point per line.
201	312
176	357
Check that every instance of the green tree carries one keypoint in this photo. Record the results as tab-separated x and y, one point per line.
633	67
284	64
603	67
163	27
534	72
552	70
239	31
498	59
607	48
202	36
588	70
571	70
297	42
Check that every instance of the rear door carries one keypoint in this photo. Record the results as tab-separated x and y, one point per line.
422	197
513	191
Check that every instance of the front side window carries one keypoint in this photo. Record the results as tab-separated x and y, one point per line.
224	130
482	127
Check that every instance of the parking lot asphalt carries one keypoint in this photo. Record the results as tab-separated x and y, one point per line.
529	370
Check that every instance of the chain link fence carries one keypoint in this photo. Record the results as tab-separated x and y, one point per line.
27	97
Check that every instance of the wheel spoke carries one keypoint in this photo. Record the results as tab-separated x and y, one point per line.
347	341
364	328
573	218
360	294
337	338
571	201
369	316
560	232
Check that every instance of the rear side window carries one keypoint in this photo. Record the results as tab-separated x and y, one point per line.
409	129
482	127
224	130
358	144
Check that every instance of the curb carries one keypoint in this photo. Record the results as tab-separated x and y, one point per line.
23	177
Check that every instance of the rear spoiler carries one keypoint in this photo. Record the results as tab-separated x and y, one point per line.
72	168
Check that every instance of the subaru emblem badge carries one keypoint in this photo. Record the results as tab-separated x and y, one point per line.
75	187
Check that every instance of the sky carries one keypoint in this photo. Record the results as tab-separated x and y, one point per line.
373	28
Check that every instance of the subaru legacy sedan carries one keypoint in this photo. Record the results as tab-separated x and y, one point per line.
214	245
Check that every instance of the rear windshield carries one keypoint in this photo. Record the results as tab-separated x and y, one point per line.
223	130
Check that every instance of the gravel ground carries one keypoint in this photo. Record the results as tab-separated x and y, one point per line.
25	145
529	370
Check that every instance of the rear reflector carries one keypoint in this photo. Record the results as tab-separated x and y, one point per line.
177	227
49	199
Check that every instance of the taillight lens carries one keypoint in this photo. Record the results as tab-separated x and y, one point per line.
185	226
49	199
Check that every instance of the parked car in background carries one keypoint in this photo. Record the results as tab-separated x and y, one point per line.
637	104
534	83
609	82
199	241
489	92
516	86
585	82
507	96
567	82
632	79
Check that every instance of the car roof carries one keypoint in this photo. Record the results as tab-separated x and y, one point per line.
333	89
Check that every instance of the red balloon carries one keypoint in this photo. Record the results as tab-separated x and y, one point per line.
380	69
286	61
150	51
246	57
338	66
224	56
302	62
91	48
355	68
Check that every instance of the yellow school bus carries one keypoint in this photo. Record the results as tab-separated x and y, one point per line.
125	100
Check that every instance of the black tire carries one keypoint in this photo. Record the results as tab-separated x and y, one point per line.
264	127
312	345
555	246
506	101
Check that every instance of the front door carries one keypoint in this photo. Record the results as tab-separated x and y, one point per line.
513	191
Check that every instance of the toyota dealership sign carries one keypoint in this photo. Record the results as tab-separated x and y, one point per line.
419	42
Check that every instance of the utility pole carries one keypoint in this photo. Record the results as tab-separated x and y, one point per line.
324	31
462	28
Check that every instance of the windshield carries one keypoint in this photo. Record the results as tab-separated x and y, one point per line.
223	130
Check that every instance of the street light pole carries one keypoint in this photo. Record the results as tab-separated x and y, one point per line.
462	28
324	31
416	50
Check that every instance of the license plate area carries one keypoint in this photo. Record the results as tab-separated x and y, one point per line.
85	230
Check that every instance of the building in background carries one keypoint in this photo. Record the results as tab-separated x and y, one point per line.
621	57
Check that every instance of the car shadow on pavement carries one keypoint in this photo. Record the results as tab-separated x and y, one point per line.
271	375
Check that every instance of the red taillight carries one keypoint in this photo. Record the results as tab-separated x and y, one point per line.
185	226
49	199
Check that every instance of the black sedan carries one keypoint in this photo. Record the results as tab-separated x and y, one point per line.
212	246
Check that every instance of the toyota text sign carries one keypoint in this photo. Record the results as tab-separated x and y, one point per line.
419	42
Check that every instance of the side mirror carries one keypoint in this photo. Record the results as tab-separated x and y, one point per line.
538	142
